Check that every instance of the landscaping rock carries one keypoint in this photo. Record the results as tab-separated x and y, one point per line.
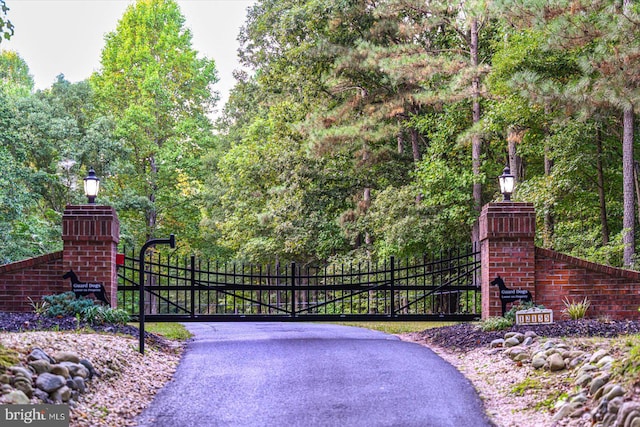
24	386
87	364
595	388
511	342
49	382
497	343
66	356
61	395
40	366
59	370
20	371
556	362
75	369
16	397
538	361
39	354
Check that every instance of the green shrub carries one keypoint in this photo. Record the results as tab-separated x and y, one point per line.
98	315
66	304
495	324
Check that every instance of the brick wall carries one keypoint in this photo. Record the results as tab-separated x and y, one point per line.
34	277
90	235
507	233
613	292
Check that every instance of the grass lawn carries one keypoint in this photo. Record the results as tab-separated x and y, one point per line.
397	327
169	330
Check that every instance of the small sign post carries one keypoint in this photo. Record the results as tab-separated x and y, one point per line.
534	316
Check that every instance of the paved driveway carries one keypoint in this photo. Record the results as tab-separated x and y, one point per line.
294	374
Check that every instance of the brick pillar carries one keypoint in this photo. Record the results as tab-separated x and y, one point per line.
507	233
90	234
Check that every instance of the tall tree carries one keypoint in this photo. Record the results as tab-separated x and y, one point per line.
159	93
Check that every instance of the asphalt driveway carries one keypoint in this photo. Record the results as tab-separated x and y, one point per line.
294	374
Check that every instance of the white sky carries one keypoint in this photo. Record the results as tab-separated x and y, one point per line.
67	36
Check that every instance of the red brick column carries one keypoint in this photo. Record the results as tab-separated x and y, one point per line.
507	232
90	234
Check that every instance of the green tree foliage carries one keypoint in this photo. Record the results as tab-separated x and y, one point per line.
360	130
6	27
159	93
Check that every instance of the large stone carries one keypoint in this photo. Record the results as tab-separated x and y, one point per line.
24	386
87	364
39	354
628	412
538	361
614	405
511	342
20	371
63	394
66	356
80	384
58	369
517	335
566	410
605	362
556	362
584	380
597	384
497	343
597	356
615	391
521	357
514	352
40	366
528	341
16	397
76	369
50	382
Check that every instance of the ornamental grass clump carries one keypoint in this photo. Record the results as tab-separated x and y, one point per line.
576	310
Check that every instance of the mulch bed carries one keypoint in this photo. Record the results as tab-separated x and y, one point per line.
467	336
24	322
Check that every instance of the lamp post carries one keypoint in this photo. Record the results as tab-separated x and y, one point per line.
507	182
91	186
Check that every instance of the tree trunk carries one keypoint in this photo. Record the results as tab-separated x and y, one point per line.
476	142
415	145
514	137
400	139
549	221
601	192
152	214
628	216
636	176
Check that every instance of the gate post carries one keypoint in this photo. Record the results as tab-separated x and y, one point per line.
507	248
90	235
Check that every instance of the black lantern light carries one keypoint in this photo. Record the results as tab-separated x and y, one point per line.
91	186
507	182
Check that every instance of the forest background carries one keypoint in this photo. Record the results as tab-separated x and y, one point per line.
357	129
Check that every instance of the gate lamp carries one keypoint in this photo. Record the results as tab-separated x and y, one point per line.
91	186
507	182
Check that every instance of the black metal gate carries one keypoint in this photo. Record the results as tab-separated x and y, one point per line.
440	288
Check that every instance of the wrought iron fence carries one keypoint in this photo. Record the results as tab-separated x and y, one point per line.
188	289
